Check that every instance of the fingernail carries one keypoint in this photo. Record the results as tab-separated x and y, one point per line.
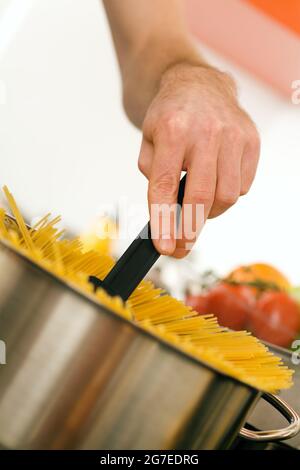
167	246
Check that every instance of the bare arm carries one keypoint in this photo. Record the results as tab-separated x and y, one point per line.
149	37
188	112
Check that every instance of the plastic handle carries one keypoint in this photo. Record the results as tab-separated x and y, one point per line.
277	434
135	263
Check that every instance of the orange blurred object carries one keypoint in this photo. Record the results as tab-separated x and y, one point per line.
287	12
262	273
261	35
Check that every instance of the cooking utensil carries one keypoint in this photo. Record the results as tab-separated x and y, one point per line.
262	417
135	263
79	376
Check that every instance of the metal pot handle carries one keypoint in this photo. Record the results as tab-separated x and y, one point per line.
277	434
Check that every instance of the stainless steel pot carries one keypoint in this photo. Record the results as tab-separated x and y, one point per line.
78	376
262	416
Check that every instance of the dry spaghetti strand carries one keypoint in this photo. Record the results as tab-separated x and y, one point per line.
237	354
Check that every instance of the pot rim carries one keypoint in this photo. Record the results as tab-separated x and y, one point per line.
91	298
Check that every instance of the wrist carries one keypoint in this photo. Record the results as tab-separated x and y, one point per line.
146	68
199	73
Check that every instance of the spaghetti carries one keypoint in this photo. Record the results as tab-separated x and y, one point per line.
238	354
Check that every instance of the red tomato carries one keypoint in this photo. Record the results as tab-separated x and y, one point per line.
276	318
231	304
197	302
248	293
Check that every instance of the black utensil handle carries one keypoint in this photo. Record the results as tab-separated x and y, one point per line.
135	263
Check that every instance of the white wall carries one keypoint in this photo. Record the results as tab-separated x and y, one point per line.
65	144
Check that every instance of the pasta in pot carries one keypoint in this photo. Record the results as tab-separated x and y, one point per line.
235	353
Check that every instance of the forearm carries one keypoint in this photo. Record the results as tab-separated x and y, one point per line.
149	38
190	118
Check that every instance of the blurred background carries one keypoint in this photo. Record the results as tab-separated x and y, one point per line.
66	145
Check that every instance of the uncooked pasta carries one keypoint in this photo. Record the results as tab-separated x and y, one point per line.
238	354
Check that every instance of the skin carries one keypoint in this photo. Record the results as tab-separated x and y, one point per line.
189	114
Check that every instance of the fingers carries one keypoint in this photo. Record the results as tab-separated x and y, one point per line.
237	163
163	187
199	191
250	161
228	171
146	157
220	160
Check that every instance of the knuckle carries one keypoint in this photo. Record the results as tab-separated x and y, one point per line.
212	128
165	186
202	196
142	165
234	132
227	198
175	124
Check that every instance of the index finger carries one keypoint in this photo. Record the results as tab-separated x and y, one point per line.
162	193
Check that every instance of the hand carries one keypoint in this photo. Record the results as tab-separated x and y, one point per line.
195	123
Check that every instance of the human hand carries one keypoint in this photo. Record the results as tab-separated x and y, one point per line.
195	123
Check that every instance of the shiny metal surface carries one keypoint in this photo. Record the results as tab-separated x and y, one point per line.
276	434
78	376
264	416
